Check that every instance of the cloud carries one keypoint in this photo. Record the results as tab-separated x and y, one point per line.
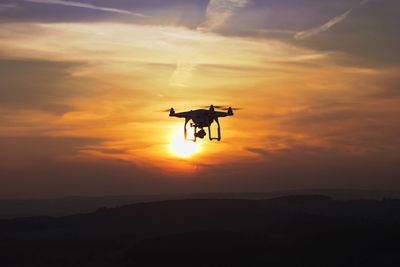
36	166
183	73
85	5
37	84
219	11
363	2
332	22
317	30
7	7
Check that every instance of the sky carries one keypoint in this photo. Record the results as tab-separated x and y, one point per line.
83	84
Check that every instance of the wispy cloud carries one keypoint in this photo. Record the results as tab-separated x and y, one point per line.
85	5
317	30
6	7
183	73
363	2
326	26
219	11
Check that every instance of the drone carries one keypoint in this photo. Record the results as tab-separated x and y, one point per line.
203	118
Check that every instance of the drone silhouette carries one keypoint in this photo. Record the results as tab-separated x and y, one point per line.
203	118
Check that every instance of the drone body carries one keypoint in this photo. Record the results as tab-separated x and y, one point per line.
202	118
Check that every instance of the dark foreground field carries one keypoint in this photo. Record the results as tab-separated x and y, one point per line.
286	231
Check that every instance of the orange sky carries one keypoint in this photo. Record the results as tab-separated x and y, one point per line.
78	95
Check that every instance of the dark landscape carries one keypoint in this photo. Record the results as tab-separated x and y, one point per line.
63	206
308	230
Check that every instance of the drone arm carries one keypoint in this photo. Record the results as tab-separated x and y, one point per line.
222	114
181	114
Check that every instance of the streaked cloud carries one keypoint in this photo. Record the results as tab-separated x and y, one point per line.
324	27
363	2
37	84
219	11
8	6
85	5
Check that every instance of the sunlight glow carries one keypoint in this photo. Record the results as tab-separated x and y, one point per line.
181	148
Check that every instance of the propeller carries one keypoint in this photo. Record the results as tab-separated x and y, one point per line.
165	110
222	107
231	108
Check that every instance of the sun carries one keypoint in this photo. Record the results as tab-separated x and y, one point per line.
181	148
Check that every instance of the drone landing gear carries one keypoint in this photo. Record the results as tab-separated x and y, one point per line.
219	132
185	130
